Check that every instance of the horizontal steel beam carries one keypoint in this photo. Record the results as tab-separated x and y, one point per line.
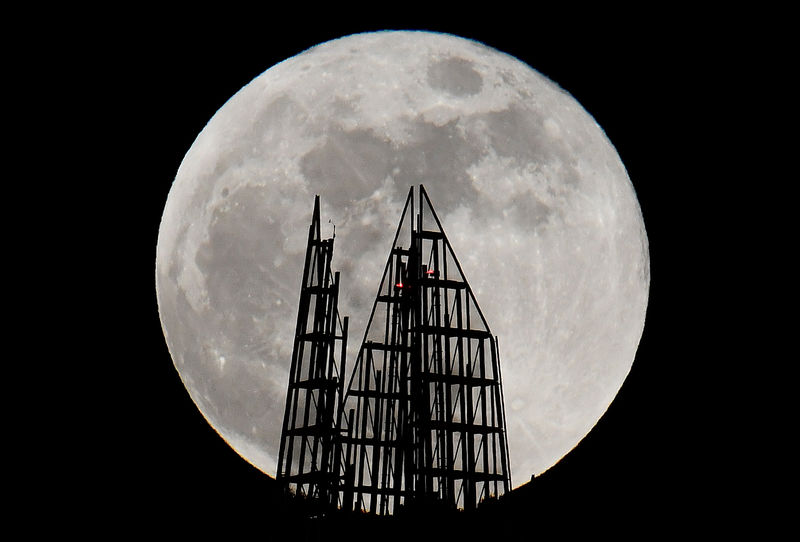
455	332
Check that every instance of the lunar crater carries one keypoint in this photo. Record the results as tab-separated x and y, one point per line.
456	76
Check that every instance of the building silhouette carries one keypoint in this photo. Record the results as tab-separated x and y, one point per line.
419	421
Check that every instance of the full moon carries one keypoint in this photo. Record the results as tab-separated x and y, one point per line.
534	199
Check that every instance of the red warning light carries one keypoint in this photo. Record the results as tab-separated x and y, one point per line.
429	272
399	284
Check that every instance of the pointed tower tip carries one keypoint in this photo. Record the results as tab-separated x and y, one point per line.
314	228
316	208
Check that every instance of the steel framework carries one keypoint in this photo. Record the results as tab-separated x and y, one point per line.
306	460
422	419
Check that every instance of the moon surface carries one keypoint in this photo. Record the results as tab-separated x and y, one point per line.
534	198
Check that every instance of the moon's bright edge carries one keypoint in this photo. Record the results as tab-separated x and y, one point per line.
534	198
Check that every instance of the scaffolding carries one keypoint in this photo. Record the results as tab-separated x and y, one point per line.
422	420
307	459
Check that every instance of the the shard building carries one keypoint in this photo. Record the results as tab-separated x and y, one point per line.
420	419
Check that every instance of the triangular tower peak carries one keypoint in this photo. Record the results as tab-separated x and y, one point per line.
425	398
